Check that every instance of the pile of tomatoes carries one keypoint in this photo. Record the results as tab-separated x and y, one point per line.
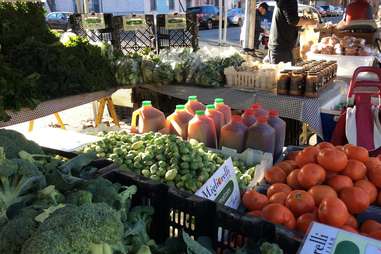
321	183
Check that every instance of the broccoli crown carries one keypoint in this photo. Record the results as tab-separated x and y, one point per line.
80	197
103	191
19	180
80	228
13	142
16	231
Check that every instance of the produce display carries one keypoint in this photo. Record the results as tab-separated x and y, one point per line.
348	45
166	158
35	66
177	66
322	183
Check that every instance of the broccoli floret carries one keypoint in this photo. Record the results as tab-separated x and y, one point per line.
270	248
16	231
86	229
103	191
13	142
49	196
80	197
19	180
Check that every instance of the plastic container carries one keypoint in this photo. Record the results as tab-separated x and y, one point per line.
193	104
202	129
150	119
248	117
233	134
217	117
225	109
258	110
280	132
178	121
261	136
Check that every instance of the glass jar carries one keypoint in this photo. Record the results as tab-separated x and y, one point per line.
283	82
312	84
297	83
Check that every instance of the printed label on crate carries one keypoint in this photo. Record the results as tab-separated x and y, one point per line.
93	21
175	22
323	239
222	187
134	22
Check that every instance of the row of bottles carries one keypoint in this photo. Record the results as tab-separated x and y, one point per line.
214	125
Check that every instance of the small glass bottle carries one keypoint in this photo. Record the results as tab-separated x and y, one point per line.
283	82
312	84
297	83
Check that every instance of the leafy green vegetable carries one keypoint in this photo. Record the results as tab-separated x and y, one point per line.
14	142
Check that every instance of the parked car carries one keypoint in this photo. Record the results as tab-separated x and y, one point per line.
58	20
329	10
236	16
207	15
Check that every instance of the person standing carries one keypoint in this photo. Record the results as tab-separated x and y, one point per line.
358	10
284	30
261	11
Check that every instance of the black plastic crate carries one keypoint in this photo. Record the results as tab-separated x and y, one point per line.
289	241
190	213
101	35
233	229
134	41
188	38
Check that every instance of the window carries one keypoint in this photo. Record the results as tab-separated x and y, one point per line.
153	5
60	16
171	4
52	16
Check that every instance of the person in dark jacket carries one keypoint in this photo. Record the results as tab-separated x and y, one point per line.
284	30
262	10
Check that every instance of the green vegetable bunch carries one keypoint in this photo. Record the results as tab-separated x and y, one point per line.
165	158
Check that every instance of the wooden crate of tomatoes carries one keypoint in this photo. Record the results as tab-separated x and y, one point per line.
338	186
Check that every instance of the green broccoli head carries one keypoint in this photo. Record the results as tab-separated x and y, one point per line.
49	196
90	229
103	191
80	197
19	181
13	142
17	230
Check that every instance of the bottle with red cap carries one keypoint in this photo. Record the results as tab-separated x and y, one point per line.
193	104
178	121
258	110
248	117
280	131
225	109
261	136
202	129
216	116
233	134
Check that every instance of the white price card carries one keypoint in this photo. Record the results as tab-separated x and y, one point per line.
93	21
323	239
222	187
175	22
134	22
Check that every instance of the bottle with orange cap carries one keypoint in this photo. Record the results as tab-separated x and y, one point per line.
225	109
178	121
147	118
280	131
193	104
261	136
202	129
233	134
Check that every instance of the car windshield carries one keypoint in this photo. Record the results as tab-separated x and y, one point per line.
325	7
234	11
194	10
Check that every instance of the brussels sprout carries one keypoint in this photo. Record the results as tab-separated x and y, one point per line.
146	173
155	177
170	175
